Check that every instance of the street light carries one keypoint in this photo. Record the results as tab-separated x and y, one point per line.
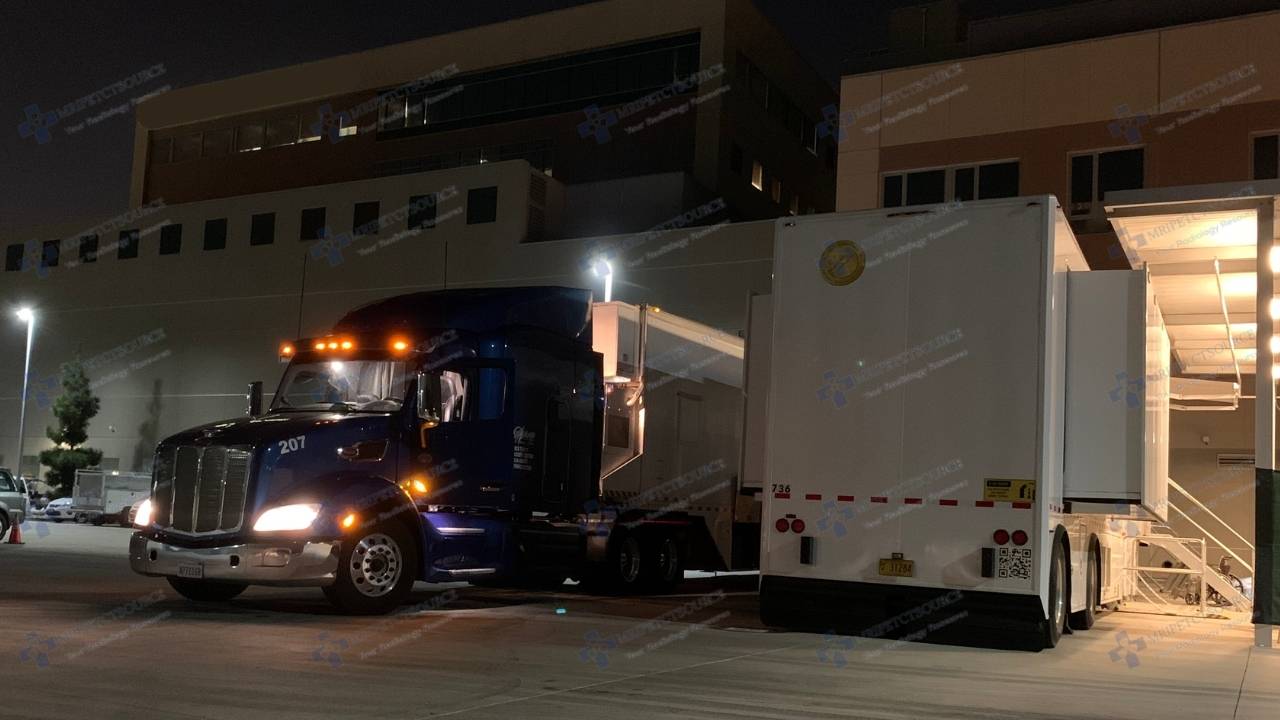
607	274
27	316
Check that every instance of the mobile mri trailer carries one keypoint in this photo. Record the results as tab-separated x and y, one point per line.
966	427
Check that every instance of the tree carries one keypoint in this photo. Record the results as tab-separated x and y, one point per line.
73	409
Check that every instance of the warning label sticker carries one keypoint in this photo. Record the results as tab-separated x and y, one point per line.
1008	489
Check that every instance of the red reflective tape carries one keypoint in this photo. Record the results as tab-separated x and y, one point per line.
949	503
844	498
912	501
812	496
984	503
782	496
1022	505
879	499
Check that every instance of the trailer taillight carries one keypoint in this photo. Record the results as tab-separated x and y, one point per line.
1000	537
1019	537
782	525
797	526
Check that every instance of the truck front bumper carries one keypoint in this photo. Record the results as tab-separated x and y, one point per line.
300	563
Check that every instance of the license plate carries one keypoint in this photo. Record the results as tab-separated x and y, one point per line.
191	571
897	568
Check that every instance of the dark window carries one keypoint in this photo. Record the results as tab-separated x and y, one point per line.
482	205
49	251
964	181
1081	181
218	142
1266	157
161	150
997	181
13	257
1119	170
927	186
89	248
128	245
262	229
311	225
809	135
892	191
187	147
215	234
249	137
282	131
735	158
422	212
170	239
364	218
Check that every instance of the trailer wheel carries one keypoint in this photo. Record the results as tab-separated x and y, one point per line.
376	571
1055	623
663	562
624	571
205	591
1084	619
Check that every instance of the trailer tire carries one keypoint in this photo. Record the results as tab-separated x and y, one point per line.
1085	619
205	591
1056	617
624	570
376	570
663	560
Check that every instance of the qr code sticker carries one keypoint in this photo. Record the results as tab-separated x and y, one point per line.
1015	563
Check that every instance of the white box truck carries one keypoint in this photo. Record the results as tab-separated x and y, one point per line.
966	427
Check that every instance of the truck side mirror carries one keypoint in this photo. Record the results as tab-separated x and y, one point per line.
429	399
255	398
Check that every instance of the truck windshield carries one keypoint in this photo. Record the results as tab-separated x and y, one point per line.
358	385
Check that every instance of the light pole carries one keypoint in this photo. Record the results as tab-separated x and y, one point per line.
29	317
603	269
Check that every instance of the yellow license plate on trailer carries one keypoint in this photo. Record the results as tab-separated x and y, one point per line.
897	567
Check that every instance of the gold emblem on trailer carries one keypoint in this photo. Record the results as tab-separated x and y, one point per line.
842	262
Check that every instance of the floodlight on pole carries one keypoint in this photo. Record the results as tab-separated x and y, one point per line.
28	316
603	269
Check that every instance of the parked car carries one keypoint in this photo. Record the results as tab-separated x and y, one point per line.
58	510
13	501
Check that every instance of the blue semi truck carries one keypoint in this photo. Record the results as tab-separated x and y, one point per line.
512	436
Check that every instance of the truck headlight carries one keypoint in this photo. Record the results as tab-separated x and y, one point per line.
288	517
142	518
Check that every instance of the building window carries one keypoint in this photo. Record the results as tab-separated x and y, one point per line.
482	205
13	257
89	248
218	142
1093	175
757	175
1266	157
422	212
127	249
795	205
963	183
775	189
187	147
282	131
735	158
249	137
809	136
311	224
161	150
262	229
364	218
171	239
215	234
49	251
346	128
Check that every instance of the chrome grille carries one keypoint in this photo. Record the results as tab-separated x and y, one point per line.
200	490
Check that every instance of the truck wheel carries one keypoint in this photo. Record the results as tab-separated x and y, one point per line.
625	569
205	591
664	563
4	525
1057	619
376	571
1084	619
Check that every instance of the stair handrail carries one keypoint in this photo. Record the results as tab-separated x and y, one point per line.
1210	536
1173	484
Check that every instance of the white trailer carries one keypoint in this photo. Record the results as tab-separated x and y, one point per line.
966	430
101	496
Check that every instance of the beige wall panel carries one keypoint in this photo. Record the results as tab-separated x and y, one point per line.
994	102
1194	55
858	95
1123	71
858	180
1047	70
1264	51
907	116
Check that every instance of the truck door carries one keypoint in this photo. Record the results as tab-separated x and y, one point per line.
556	451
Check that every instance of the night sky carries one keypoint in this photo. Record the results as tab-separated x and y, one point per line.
57	52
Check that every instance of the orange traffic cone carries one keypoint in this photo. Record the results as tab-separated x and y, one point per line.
15	535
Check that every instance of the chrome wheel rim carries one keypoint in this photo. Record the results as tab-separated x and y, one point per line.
629	560
376	565
668	559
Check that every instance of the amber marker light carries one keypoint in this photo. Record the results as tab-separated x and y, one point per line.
399	345
349	521
347	345
320	345
286	351
333	345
